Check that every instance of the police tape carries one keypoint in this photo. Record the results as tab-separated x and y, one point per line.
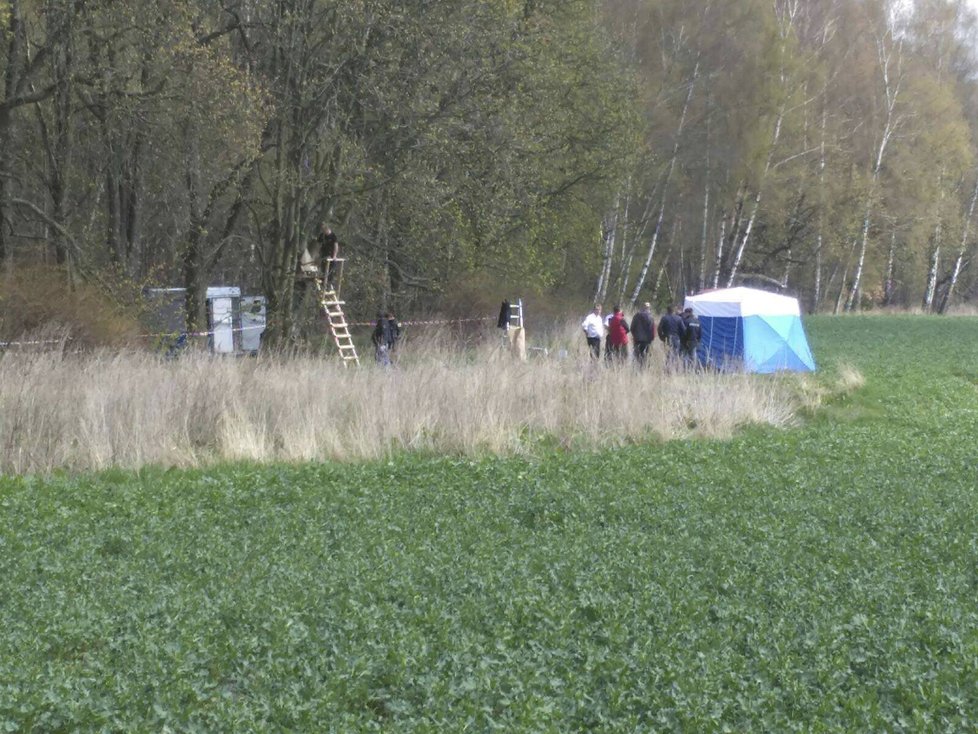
34	341
424	323
161	335
178	334
198	333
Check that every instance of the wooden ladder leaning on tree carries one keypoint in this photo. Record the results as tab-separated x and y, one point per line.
327	293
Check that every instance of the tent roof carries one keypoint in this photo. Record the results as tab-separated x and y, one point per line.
742	302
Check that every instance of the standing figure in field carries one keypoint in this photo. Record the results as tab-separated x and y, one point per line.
643	333
671	331
386	334
593	328
618	336
394	329
691	337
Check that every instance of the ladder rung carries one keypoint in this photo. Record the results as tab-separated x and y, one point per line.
333	309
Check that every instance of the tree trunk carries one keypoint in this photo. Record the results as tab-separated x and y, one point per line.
820	235
719	254
890	260
640	281
704	236
62	143
959	260
194	276
15	50
738	256
608	228
891	93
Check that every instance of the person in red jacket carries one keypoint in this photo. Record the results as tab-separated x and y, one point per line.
618	336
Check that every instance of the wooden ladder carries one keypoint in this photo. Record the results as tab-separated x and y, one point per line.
333	308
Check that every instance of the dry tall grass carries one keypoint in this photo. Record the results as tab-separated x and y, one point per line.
91	411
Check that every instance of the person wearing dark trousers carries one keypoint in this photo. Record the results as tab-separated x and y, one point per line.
593	328
618	336
671	331
691	337
386	334
329	250
643	333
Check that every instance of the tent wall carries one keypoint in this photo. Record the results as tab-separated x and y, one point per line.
752	330
722	345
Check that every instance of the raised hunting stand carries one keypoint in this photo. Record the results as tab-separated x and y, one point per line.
327	293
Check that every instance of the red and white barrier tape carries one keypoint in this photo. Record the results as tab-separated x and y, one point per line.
421	323
4	344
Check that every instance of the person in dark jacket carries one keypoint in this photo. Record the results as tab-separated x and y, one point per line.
691	337
671	331
329	251
618	336
386	334
643	333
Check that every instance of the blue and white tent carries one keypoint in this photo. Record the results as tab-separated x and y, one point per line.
751	329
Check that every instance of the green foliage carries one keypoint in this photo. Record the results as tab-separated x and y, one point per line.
448	142
821	579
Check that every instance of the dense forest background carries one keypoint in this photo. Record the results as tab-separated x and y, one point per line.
468	151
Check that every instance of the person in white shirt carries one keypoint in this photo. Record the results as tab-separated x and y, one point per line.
593	327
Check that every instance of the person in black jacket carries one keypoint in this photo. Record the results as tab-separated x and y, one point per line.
643	333
386	334
691	337
671	332
329	251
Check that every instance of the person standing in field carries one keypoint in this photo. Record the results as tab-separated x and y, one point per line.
386	334
618	336
394	329
643	333
593	328
671	331
691	336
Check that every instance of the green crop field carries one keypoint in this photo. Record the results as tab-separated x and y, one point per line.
822	578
